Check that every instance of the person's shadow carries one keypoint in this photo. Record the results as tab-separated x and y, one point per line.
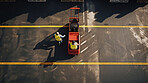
60	51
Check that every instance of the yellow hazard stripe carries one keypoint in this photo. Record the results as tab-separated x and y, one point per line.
52	26
73	63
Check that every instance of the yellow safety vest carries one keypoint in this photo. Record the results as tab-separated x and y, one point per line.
58	38
73	47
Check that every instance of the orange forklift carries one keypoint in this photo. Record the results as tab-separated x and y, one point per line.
74	31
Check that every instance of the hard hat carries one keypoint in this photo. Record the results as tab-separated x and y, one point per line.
73	41
57	33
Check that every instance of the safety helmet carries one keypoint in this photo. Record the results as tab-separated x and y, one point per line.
73	41
57	33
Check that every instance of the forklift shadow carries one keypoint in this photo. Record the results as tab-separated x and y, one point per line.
60	51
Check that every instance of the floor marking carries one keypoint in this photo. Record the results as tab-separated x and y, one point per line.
81	60
83	18
140	35
89	30
84	49
116	26
72	67
52	26
83	42
94	53
82	35
31	26
93	36
54	69
74	63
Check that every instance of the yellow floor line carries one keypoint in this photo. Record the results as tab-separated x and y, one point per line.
53	26
73	63
117	26
32	26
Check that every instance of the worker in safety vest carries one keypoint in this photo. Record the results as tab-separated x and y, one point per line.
74	45
58	37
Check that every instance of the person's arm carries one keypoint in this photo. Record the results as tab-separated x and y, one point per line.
76	43
62	36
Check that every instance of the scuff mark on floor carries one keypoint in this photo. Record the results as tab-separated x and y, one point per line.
90	20
90	15
141	38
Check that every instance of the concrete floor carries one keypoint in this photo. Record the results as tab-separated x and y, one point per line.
97	44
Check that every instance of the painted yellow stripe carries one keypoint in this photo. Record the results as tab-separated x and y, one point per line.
52	26
28	26
117	26
73	63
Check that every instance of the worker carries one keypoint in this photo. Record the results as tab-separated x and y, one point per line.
74	45
59	37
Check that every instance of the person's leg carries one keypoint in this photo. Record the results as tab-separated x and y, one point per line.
60	42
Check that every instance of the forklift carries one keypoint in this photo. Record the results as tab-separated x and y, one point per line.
73	34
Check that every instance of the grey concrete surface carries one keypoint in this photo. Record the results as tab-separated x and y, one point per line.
123	45
97	44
